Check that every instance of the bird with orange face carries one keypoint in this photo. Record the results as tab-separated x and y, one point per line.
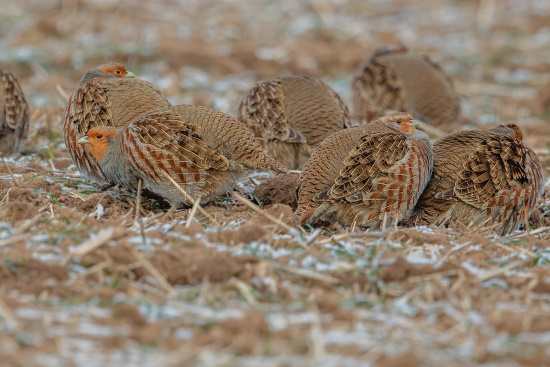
204	151
481	178
108	96
370	175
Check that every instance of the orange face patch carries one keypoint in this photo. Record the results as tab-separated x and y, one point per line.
404	124
403	121
119	71
98	142
406	128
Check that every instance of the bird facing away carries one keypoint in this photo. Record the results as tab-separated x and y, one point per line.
369	175
205	151
395	80
108	95
291	116
481	178
14	115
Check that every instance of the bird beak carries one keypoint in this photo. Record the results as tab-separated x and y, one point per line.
415	124
83	140
129	74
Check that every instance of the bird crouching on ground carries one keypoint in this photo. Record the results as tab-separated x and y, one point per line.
109	96
291	116
370	175
14	115
395	80
205	151
481	178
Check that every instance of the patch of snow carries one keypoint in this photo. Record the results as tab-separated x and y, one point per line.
495	282
183	333
418	256
99	212
281	321
471	268
361	339
425	229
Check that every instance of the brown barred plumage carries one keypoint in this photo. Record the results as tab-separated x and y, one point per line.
14	115
481	178
108	95
291	116
367	175
394	80
204	151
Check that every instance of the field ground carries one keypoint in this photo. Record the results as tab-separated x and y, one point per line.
83	283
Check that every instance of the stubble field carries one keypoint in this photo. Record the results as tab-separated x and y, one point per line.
83	282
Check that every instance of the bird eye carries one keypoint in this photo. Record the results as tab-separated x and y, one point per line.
118	71
398	121
99	136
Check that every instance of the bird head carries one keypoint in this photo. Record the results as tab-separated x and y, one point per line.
518	134
116	70
400	121
111	70
97	141
397	48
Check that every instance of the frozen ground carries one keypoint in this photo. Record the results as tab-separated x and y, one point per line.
82	283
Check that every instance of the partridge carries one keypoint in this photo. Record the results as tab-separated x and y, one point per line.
14	115
395	80
481	178
291	116
369	175
108	95
206	152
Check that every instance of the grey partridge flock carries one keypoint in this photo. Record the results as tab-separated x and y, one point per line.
122	130
481	178
395	80
291	116
14	115
370	175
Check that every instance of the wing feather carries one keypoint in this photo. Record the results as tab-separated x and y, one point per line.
88	107
369	162
165	142
263	111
